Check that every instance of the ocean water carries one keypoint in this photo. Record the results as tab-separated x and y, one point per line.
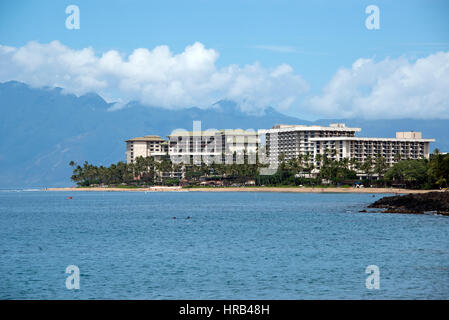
235	246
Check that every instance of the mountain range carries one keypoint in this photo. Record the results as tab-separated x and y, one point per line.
43	129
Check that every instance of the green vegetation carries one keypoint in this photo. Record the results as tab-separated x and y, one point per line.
420	174
410	173
414	174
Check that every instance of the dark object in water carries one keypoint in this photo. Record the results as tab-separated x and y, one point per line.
174	217
188	217
418	203
363	210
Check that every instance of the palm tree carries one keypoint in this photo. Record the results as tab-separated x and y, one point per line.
380	166
139	168
318	159
367	167
346	163
281	158
354	164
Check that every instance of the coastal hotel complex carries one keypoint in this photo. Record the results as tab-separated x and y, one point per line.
288	141
339	142
226	146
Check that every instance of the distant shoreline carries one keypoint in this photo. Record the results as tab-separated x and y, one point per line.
249	189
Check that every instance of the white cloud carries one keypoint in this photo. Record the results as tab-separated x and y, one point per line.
155	77
392	88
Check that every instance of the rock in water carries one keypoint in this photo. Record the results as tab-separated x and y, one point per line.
437	202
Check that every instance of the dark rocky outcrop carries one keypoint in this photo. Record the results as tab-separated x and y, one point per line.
436	202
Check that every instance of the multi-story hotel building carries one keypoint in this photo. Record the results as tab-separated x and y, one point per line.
339	142
219	146
188	147
145	146
293	140
406	145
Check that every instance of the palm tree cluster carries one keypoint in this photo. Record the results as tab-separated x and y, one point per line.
144	171
233	173
304	169
88	174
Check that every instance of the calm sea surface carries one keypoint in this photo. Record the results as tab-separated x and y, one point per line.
235	246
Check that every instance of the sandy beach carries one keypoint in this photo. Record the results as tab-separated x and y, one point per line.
249	189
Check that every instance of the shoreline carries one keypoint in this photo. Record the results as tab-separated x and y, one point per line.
249	189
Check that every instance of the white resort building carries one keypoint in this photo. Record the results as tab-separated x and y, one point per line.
194	147
145	146
406	145
293	140
339	142
219	146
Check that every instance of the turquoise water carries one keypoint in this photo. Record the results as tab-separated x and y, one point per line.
235	246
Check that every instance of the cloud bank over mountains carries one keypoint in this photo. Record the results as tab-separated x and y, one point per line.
155	77
391	88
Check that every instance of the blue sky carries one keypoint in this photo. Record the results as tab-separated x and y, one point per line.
315	38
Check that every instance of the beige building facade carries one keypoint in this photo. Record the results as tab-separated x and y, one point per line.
219	146
193	147
146	146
